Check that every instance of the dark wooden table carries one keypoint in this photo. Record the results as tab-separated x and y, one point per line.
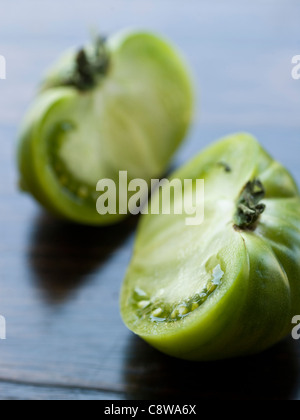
60	283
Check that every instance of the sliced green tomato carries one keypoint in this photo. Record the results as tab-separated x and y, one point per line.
220	290
130	118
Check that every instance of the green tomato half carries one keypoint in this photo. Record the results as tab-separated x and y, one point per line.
123	104
230	286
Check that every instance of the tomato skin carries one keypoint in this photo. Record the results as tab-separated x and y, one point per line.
260	294
143	145
36	174
31	179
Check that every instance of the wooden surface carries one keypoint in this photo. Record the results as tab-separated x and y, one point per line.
60	283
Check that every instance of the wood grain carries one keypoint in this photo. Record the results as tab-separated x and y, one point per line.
59	283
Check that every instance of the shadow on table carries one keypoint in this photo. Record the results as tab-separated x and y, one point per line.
271	375
62	255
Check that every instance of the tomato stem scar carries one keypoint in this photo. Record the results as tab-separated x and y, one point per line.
249	206
89	66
